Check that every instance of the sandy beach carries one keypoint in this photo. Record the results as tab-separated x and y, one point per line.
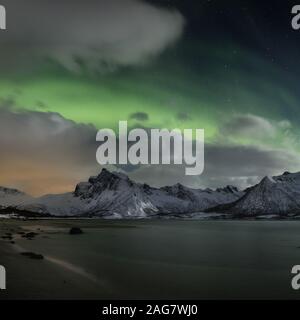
50	278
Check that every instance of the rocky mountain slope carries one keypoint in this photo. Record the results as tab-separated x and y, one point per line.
115	195
12	197
279	195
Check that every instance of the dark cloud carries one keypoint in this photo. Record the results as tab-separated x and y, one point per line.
41	105
248	125
242	164
237	165
183	116
88	35
227	162
140	116
42	152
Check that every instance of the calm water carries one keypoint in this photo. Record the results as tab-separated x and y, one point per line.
169	259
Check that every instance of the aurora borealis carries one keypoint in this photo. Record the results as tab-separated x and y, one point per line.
228	68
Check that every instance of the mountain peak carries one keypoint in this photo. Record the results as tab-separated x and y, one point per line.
106	180
114	194
267	181
273	195
10	191
108	175
228	189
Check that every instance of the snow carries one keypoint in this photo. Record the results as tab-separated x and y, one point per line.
115	195
279	195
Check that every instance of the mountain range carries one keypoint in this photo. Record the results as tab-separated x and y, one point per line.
278	195
114	195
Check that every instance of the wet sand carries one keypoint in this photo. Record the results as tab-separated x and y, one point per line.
50	278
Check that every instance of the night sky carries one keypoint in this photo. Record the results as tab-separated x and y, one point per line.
70	68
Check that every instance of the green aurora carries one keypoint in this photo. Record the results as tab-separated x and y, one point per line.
175	93
237	78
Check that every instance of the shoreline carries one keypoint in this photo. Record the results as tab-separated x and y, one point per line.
38	279
163	218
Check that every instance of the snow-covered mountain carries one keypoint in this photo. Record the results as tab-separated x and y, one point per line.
12	197
279	195
200	200
115	195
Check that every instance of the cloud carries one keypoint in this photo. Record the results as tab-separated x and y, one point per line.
140	116
231	162
89	35
183	116
243	165
237	165
44	152
248	125
259	131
